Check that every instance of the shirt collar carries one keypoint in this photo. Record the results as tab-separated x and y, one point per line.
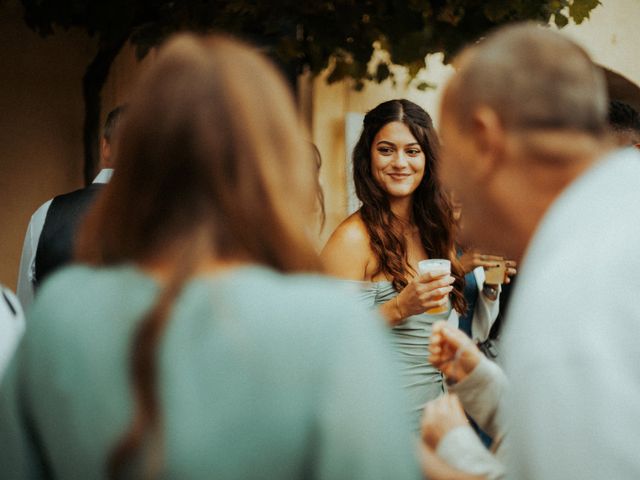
104	176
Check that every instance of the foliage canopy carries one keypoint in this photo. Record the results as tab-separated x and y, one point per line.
315	34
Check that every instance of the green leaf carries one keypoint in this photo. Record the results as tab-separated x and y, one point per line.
308	34
557	5
560	20
496	10
451	13
580	10
422	86
382	72
415	67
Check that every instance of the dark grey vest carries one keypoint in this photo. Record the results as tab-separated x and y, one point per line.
57	240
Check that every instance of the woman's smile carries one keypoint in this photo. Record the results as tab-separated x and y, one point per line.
399	176
397	160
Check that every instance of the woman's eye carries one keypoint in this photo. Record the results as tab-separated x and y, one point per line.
413	152
385	150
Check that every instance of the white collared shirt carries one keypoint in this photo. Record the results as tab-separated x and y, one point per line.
571	341
27	272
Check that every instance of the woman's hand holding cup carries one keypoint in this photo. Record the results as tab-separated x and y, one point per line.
429	291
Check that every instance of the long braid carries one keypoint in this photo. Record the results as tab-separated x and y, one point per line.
144	376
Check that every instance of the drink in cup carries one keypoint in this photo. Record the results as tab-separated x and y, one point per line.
495	274
437	267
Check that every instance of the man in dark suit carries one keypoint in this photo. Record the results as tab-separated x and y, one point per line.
50	236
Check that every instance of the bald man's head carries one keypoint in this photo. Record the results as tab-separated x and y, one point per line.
533	78
524	114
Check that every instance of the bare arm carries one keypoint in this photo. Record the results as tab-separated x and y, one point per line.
347	255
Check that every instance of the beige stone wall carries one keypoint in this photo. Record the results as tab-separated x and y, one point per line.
611	36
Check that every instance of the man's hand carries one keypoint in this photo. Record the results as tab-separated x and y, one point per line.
511	270
440	416
471	259
452	352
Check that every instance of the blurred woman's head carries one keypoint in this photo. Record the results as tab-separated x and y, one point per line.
212	166
395	158
211	149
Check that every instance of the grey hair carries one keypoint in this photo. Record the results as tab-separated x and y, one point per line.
533	78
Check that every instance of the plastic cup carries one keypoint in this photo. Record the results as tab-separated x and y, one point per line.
495	275
438	267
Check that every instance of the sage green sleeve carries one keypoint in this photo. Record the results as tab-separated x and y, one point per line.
19	459
364	429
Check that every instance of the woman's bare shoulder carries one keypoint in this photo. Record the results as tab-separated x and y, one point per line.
347	252
352	232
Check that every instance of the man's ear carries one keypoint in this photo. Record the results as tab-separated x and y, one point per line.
105	153
490	138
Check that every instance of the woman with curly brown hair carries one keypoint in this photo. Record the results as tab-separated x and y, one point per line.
405	217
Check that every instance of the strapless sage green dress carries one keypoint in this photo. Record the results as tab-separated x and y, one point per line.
421	380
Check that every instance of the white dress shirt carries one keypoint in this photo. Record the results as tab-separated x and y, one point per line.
482	395
27	272
486	310
572	342
570	409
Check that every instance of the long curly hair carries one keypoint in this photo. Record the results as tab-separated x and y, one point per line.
432	213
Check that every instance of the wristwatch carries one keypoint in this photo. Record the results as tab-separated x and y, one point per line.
490	291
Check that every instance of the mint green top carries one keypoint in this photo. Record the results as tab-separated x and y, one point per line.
261	376
410	339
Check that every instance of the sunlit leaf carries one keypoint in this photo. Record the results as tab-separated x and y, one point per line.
580	10
560	20
422	86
